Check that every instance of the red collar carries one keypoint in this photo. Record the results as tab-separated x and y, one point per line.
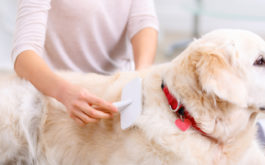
185	119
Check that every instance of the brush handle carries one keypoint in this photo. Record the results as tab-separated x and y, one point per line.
121	105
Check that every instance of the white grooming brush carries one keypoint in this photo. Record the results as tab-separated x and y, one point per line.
130	106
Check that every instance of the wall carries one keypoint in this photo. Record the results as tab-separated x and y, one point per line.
7	21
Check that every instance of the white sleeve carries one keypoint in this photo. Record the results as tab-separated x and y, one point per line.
142	15
30	26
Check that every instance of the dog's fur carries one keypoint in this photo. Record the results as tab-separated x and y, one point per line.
214	78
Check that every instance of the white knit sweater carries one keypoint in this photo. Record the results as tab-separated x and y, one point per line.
82	35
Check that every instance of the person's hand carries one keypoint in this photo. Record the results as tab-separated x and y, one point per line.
81	105
84	107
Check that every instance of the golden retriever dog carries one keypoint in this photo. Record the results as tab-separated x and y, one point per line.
218	81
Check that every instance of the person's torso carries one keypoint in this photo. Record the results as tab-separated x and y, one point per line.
88	36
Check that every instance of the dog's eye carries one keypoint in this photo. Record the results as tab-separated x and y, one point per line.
259	61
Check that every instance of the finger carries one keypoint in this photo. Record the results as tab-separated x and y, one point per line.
76	119
103	105
103	109
90	111
79	121
83	117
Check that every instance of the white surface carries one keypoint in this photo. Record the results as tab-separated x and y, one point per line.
7	24
262	124
130	106
174	15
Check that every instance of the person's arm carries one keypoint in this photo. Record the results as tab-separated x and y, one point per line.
77	100
142	30
26	54
144	45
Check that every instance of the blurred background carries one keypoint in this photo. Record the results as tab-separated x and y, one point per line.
180	22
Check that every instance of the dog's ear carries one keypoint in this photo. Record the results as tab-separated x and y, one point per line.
217	75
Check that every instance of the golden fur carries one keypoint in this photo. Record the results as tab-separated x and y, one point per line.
214	78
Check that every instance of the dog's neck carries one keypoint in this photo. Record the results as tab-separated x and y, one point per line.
185	118
182	113
202	107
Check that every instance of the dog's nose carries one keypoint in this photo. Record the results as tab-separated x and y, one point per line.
262	108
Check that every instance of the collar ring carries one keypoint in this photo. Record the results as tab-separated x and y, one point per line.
176	109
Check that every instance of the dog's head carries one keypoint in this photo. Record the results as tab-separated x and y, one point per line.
232	66
221	79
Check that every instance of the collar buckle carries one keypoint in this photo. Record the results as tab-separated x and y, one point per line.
176	109
180	109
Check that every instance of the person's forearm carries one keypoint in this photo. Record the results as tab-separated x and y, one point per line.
79	103
30	66
144	47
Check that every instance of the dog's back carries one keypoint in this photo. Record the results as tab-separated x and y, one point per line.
21	110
